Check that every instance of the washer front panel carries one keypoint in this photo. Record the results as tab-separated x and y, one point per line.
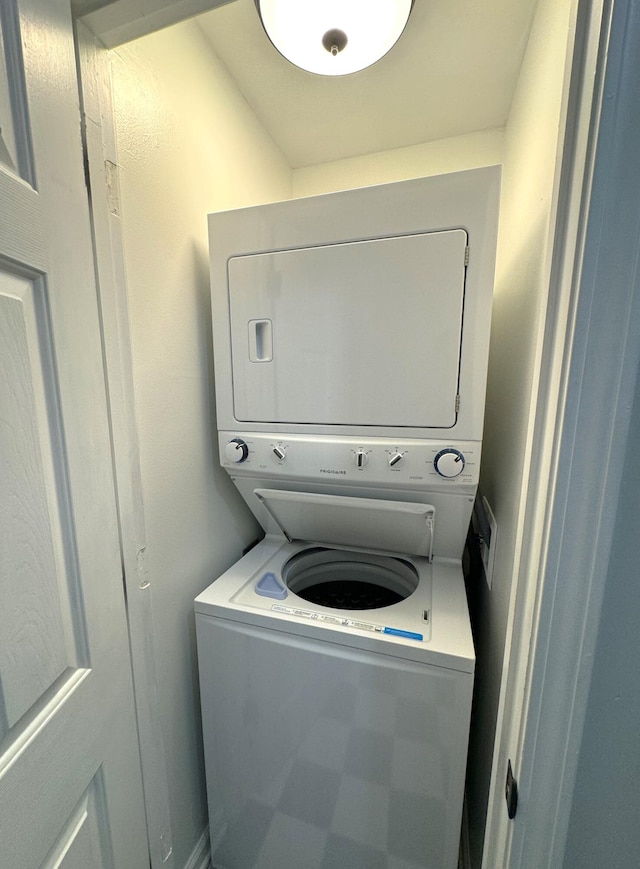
311	747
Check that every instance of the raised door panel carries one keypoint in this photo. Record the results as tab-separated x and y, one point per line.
39	640
81	843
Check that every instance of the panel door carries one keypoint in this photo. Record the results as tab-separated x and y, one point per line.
70	785
363	333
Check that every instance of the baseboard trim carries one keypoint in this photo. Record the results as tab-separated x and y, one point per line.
201	855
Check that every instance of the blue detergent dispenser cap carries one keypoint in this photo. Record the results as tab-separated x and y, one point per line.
270	586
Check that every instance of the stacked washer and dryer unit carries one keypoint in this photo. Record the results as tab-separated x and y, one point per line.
336	661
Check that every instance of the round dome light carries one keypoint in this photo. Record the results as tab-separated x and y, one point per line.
334	37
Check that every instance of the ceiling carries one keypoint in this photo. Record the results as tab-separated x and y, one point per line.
453	71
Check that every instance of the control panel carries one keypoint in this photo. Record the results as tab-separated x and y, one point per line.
351	460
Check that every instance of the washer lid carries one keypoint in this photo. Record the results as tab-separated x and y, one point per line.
366	523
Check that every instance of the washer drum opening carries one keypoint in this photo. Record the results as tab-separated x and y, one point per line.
345	580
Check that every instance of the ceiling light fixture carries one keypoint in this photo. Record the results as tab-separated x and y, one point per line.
333	37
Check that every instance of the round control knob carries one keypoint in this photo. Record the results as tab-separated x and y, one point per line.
361	458
449	463
396	460
236	451
279	453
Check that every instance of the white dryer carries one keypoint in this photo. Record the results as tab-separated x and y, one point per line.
336	659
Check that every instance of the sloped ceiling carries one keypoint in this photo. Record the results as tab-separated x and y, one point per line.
452	72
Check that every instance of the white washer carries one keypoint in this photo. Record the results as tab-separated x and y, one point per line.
334	738
336	659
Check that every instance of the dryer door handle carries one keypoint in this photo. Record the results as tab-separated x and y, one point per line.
260	341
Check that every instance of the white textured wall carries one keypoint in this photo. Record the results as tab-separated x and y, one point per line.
520	299
187	145
431	158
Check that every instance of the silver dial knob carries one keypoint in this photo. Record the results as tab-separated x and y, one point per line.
396	460
279	453
361	458
236	451
449	463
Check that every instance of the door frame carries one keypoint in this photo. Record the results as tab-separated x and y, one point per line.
554	625
582	431
102	167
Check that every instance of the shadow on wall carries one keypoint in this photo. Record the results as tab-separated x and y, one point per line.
480	757
224	488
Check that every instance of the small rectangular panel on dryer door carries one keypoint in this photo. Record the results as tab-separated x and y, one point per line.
361	333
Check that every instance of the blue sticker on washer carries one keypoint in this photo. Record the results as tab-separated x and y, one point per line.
270	586
409	635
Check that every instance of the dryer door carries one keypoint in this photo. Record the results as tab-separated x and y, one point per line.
361	333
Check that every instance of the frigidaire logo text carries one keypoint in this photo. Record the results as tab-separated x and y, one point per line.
331	471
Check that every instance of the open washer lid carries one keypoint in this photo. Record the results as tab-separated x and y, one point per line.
365	523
